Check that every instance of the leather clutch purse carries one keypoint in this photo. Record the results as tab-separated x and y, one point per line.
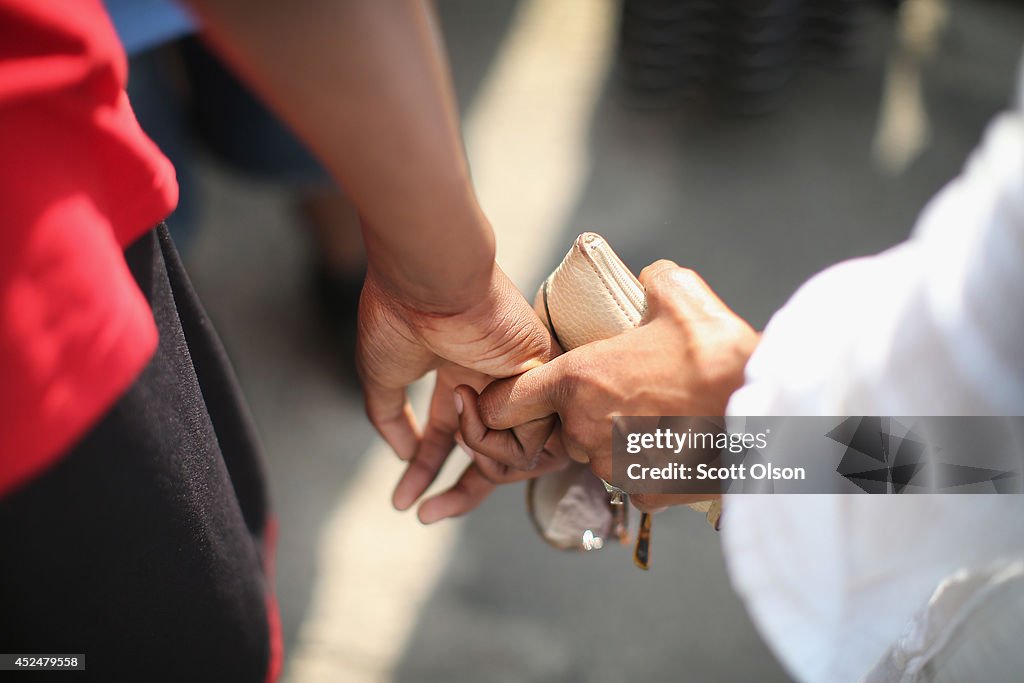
591	295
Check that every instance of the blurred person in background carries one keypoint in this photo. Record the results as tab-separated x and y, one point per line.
188	102
740	57
844	588
132	499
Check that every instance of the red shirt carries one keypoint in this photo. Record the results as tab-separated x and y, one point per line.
79	181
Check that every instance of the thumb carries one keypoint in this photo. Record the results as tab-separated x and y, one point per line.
530	396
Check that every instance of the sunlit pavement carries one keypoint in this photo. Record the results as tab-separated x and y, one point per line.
755	204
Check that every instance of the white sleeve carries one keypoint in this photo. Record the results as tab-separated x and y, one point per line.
934	326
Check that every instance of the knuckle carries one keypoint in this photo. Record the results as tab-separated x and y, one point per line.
486	470
532	438
660	282
580	434
423	467
497	473
490	409
438	437
575	379
673	293
475	441
657	266
679	278
548	461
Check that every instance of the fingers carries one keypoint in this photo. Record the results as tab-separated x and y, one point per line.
494	471
528	397
439	435
431	452
424	467
477	482
484	474
466	495
497	473
520	447
390	413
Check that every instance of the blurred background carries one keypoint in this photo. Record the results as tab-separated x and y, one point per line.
756	142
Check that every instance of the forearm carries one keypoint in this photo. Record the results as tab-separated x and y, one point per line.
366	85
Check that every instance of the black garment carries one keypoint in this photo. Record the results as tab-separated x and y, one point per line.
143	548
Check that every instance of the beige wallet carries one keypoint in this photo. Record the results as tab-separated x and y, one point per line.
591	295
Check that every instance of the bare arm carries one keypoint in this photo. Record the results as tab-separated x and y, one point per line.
366	85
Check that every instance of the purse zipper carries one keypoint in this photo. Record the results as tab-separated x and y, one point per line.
611	268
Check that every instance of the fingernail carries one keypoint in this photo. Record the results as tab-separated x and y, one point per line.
458	403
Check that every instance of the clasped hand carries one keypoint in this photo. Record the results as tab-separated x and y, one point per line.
686	358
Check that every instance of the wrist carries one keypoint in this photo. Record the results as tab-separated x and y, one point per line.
447	292
442	275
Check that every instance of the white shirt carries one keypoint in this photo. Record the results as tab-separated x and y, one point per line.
934	326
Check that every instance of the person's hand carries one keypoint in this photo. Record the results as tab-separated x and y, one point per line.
686	358
496	334
481	476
